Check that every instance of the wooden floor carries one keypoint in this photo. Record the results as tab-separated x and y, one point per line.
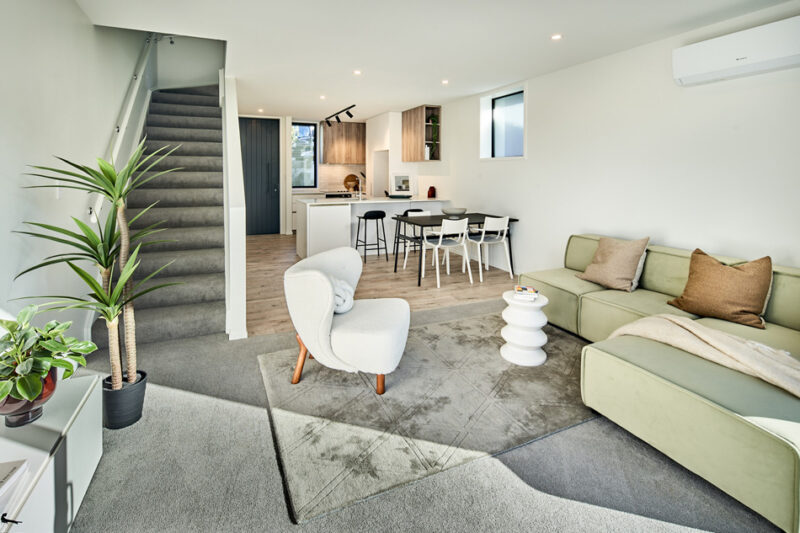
268	256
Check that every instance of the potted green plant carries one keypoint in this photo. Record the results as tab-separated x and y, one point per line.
115	186
107	248
122	400
29	359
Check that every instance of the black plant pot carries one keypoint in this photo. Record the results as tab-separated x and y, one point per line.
123	407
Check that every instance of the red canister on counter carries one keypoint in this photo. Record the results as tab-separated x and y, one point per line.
431	192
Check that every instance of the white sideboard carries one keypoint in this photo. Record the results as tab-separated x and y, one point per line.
63	449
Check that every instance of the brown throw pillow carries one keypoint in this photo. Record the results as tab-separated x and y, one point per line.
735	293
615	263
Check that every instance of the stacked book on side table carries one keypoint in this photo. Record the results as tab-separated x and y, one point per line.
527	294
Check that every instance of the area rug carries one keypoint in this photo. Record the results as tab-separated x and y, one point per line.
453	399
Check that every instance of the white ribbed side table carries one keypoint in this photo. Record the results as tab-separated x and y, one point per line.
523	332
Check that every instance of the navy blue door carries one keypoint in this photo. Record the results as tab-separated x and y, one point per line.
261	165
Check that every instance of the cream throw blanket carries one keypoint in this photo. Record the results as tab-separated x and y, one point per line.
774	366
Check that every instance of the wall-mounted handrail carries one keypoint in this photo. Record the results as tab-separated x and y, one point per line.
127	129
128	126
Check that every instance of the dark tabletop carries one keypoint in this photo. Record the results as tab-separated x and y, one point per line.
436	220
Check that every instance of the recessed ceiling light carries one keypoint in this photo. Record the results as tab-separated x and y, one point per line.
445	82
556	37
260	110
322	97
357	72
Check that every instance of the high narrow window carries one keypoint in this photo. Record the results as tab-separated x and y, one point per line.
508	120
304	155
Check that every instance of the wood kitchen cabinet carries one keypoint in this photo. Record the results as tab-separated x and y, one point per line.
422	128
344	143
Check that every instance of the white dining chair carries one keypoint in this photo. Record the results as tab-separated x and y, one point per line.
494	231
452	235
412	232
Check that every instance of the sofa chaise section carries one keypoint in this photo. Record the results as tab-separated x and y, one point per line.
694	411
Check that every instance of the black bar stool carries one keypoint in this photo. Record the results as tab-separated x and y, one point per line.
376	216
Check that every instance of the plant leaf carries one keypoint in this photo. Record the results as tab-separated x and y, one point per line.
29	386
83	347
24	367
5	388
24	317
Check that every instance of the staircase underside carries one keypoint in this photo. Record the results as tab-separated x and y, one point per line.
190	201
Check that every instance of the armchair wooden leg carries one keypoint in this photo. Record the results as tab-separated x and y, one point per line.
381	384
301	359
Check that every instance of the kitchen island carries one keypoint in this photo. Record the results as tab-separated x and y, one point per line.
326	223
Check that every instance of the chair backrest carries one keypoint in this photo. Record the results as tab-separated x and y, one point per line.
309	296
408	211
454	229
494	225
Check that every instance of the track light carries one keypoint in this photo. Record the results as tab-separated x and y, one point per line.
332	116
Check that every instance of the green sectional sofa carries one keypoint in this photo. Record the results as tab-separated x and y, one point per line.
738	432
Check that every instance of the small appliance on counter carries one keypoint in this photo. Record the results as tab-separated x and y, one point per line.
431	192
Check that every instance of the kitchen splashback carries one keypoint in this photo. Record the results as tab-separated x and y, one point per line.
331	177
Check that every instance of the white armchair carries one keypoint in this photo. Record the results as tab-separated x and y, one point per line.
371	337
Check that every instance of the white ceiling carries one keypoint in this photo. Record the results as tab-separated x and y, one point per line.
286	54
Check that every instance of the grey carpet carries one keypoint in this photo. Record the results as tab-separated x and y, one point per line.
213	365
195	463
451	400
190	203
595	462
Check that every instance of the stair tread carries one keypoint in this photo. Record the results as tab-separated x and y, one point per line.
189	289
189	238
157	324
203	179
181	121
183	98
165	133
183	197
179	217
185	110
208	90
184	262
184	148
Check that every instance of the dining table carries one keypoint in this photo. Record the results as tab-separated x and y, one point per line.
434	221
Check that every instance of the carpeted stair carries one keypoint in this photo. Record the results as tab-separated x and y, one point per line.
190	201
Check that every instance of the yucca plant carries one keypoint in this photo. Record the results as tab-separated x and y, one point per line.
115	186
100	248
109	302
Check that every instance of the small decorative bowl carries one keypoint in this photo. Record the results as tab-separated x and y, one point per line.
454	212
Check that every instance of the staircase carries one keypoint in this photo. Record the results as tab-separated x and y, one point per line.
190	201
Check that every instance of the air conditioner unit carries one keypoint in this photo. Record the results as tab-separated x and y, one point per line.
761	49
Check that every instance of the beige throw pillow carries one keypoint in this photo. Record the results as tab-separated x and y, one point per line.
615	263
735	293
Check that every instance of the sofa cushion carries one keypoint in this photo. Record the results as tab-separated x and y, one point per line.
667	269
616	264
773	335
737	293
563	290
604	311
738	392
783	308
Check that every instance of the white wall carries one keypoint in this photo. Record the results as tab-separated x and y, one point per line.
190	62
63	85
615	147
